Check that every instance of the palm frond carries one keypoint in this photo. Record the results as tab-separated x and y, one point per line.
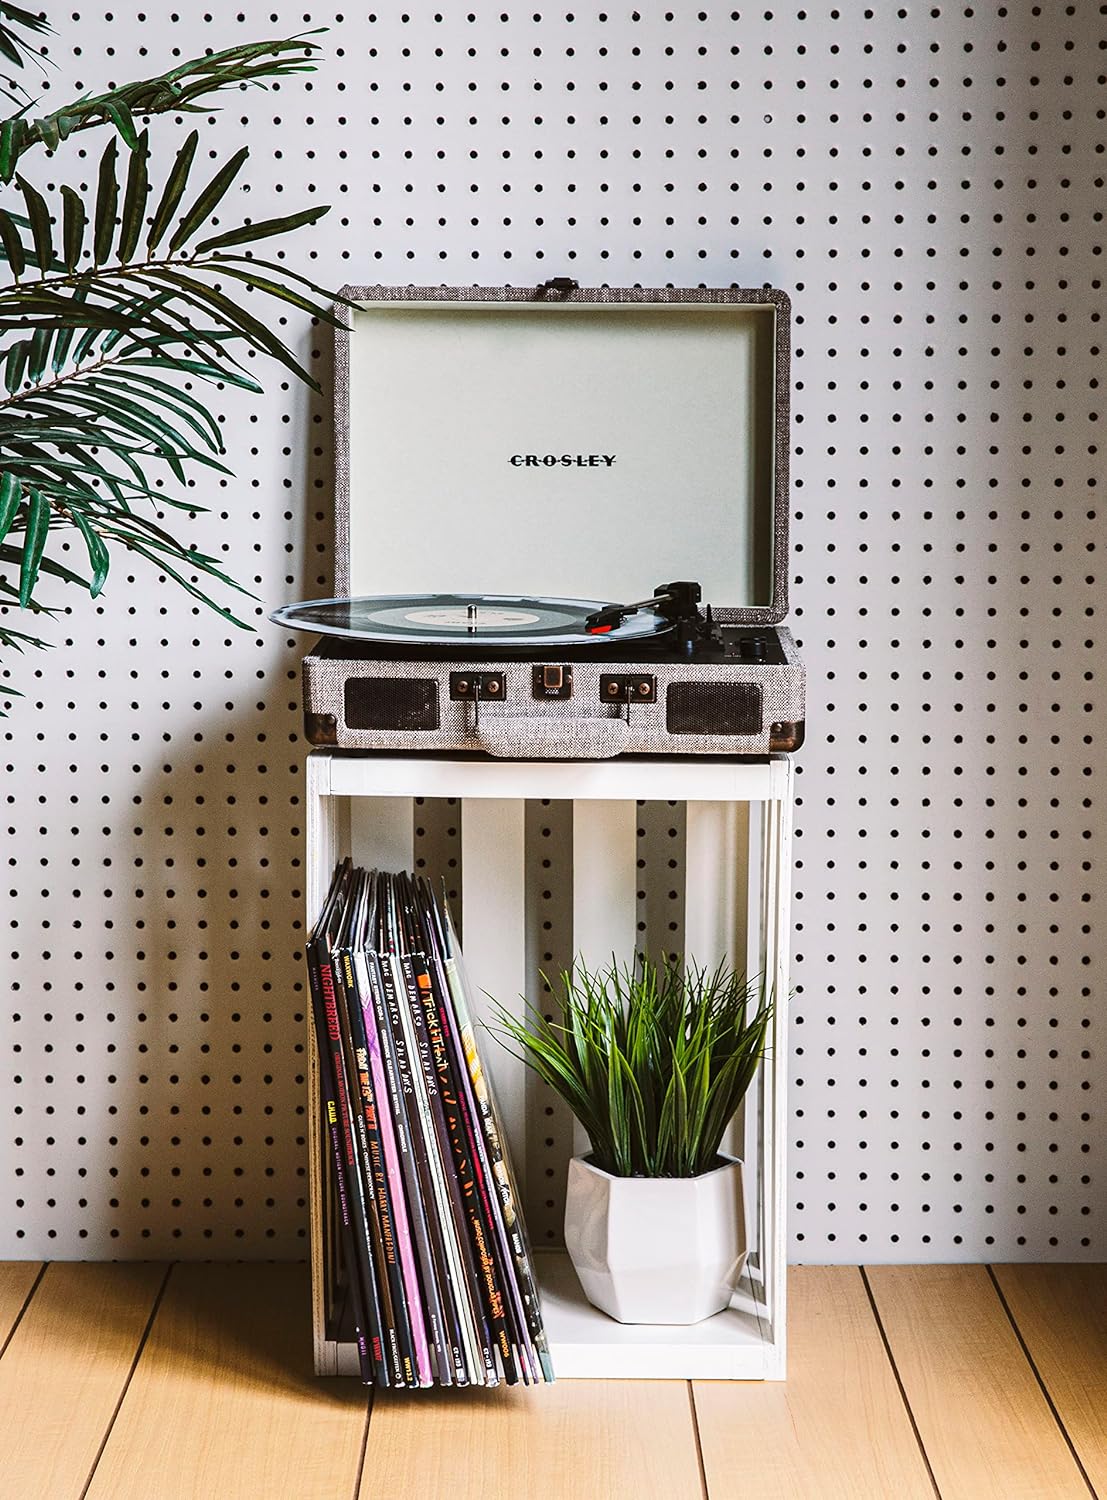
179	90
102	353
105	352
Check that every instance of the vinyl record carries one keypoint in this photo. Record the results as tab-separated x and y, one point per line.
465	620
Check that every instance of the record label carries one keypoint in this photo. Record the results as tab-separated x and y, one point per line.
478	617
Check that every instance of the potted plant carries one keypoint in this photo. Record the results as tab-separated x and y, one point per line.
653	1061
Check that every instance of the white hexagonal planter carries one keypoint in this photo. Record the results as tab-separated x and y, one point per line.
656	1249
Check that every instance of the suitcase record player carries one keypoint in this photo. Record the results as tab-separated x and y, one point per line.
555	450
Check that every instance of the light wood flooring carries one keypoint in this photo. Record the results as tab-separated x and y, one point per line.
193	1382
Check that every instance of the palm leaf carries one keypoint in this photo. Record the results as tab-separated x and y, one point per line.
191	411
39	216
172	192
73	228
197	367
15	363
97	552
12	242
134	197
9	131
249	234
11	497
276	290
54	474
63	341
18	639
38	353
118	112
208	200
145	550
38	524
34	606
107	200
325	313
119	412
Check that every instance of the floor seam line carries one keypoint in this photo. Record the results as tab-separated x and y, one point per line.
364	1447
699	1440
21	1314
1041	1383
127	1383
899	1381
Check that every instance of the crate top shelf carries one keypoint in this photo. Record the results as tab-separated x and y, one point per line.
649	778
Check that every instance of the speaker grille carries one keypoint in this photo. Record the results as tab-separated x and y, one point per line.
391	703
713	708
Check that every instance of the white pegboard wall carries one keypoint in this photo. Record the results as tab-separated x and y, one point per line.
926	182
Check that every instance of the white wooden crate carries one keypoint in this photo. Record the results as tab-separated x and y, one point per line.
735	866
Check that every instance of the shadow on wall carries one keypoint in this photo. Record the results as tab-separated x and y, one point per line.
208	1112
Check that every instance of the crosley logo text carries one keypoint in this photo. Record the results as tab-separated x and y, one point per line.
564	460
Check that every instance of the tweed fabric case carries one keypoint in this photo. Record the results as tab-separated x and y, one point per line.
522	727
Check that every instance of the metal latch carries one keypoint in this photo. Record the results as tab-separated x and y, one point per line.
562	285
552	682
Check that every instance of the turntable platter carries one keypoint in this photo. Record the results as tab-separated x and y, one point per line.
500	620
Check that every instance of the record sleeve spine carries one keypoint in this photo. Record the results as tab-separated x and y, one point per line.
397	1329
500	1163
333	1128
437	1329
347	1114
514	1317
490	1273
457	1169
475	1338
401	1227
422	1141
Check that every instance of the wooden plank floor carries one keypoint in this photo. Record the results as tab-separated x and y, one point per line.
120	1382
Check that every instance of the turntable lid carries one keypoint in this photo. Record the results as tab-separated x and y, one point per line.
492	441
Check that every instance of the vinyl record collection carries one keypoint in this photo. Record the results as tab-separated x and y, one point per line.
440	1272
